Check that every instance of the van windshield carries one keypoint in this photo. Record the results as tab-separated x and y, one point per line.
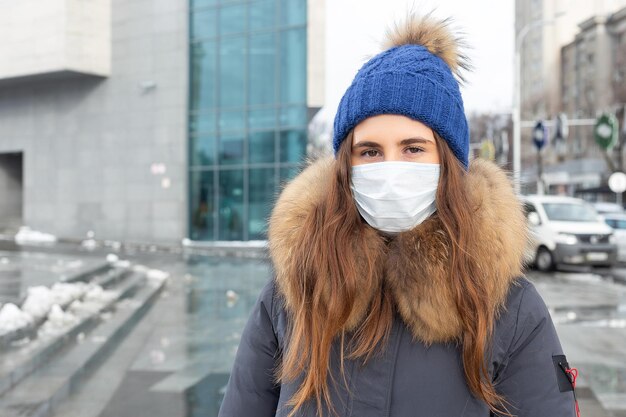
570	212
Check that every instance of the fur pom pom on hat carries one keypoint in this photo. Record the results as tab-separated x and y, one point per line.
413	77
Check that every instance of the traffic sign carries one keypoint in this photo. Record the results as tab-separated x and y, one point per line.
540	135
605	131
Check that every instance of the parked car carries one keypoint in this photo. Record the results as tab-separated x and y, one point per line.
567	230
604	207
618	222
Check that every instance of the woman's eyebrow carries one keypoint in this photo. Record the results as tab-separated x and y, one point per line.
409	141
366	144
418	139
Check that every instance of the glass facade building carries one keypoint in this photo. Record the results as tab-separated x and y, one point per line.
247	112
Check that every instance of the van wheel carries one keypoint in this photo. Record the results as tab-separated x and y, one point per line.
544	261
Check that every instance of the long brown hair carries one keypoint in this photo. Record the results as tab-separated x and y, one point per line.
456	209
334	272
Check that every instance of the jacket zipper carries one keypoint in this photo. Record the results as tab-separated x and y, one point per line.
399	331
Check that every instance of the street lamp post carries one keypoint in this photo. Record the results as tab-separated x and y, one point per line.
517	147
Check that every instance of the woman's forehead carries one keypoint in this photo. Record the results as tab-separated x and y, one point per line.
391	127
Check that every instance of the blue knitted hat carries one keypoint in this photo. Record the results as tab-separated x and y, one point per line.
415	77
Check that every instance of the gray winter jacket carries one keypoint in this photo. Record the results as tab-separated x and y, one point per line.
419	372
410	379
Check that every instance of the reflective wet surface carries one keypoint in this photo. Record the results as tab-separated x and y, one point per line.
177	360
589	311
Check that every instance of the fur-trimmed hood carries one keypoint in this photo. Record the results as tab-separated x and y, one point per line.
416	262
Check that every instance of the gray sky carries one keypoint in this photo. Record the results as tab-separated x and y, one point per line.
354	29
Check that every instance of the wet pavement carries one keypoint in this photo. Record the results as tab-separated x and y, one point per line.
589	311
175	361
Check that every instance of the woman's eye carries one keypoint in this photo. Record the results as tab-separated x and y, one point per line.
372	153
414	149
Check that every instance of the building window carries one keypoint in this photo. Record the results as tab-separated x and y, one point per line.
247	112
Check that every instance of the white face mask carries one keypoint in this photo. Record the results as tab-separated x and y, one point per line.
395	196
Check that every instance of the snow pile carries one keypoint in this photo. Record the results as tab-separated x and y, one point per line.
84	308
157	275
141	269
40	299
76	306
89	244
38	302
27	235
117	262
113	244
224	243
65	293
97	294
12	318
122	264
93	300
58	320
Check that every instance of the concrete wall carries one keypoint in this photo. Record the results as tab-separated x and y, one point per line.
89	143
10	189
54	36
316	53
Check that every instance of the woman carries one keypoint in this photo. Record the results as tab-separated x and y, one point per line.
398	288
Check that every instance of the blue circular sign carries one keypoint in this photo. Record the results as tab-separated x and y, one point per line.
540	135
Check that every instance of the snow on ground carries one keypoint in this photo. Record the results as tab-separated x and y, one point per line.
96	293
157	275
12	318
141	269
225	243
57	322
89	244
122	264
38	302
86	307
64	293
117	262
43	303
27	235
113	244
40	299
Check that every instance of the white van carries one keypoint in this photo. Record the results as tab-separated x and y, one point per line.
567	230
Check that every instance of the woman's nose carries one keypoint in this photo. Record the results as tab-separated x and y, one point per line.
392	155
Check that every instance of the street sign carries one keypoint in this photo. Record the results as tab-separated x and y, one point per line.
540	135
617	182
605	131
